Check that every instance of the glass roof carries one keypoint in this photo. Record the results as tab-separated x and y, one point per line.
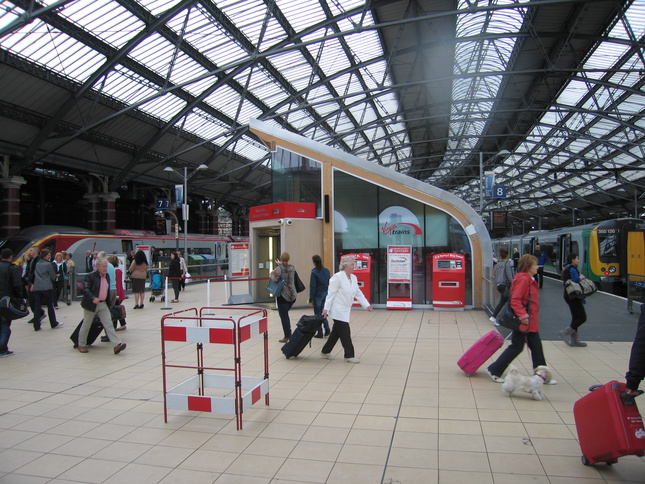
321	68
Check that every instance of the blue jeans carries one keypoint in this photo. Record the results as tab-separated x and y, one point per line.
319	304
5	333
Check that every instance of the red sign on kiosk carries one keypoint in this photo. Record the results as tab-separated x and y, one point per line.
363	272
448	280
282	210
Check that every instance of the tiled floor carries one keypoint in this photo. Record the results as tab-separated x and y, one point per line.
405	414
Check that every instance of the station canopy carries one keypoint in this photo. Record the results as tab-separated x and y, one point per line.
546	94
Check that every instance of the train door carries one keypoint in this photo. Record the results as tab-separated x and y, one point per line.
635	253
564	247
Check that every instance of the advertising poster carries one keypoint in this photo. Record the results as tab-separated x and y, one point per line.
399	277
239	259
399	264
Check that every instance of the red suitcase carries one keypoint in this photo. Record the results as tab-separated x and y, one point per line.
478	353
609	425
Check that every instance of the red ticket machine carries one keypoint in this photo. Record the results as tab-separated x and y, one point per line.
448	280
363	272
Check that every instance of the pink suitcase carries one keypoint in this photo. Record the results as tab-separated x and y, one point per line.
478	353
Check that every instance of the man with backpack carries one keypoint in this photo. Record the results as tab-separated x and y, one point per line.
10	285
503	279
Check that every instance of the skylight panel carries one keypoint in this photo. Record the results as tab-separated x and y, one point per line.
249	149
333	58
301	14
163	107
203	125
157	7
126	86
105	19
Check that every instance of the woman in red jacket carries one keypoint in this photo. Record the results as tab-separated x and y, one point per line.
525	302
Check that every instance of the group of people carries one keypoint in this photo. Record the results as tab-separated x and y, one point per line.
330	296
522	292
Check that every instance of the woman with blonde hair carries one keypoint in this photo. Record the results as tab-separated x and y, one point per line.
287	297
525	302
60	268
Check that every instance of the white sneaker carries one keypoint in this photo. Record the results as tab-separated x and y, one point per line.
551	382
327	356
352	360
493	320
496	379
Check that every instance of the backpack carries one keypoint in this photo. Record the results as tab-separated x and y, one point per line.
503	273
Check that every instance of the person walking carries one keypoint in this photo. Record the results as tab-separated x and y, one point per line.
576	306
44	277
11	286
174	272
343	289
525	302
138	272
636	372
503	279
95	302
541	258
60	267
184	271
516	259
318	285
287	297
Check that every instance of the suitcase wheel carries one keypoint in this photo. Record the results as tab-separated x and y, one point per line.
585	461
152	299
69	303
163	298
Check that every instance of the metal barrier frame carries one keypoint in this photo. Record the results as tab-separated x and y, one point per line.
209	327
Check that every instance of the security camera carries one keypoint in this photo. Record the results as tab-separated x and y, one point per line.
280	221
289	221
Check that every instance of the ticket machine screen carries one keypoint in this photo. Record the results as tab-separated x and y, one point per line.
448	264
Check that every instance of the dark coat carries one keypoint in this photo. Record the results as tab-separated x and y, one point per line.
10	280
174	269
91	288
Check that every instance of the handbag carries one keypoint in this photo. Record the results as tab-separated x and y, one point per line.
579	290
275	287
13	308
298	283
509	319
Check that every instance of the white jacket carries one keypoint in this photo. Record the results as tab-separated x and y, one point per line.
340	296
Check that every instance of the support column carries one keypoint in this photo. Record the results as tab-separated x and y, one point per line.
109	209
93	211
10	218
214	222
203	220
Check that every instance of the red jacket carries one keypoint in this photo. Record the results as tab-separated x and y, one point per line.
525	289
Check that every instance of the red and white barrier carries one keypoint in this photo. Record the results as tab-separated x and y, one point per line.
212	325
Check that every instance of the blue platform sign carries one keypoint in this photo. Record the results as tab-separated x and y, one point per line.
162	204
499	191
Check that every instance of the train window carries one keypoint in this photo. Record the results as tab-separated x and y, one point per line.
575	250
607	244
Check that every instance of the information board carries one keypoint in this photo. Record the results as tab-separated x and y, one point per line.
238	254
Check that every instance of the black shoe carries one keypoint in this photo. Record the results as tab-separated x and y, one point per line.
327	332
104	339
318	335
37	329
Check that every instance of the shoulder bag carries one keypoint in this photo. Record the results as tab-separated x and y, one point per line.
509	319
13	308
579	290
275	287
298	283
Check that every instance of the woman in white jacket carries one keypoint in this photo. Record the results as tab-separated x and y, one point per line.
343	288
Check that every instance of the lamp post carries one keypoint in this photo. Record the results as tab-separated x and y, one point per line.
481	176
184	204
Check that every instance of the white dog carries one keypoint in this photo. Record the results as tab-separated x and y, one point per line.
514	380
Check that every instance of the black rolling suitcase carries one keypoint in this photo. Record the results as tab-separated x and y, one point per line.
302	335
95	331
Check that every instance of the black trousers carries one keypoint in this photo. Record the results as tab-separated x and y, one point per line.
539	277
502	300
636	371
176	283
578	313
341	331
518	339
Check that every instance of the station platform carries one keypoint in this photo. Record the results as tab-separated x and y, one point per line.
405	414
